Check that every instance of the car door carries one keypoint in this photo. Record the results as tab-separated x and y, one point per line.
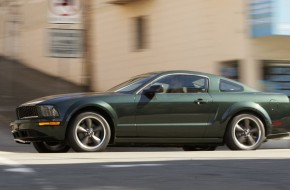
181	109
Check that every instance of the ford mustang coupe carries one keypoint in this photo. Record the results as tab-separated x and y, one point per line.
196	111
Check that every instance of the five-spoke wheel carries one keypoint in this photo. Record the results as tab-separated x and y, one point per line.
89	132
245	132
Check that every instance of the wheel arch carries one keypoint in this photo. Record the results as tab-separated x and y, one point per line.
248	108
103	109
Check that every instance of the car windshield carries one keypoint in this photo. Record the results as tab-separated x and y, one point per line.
132	84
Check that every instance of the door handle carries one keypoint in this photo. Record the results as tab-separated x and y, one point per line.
200	101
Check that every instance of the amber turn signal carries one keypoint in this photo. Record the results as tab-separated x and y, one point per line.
49	123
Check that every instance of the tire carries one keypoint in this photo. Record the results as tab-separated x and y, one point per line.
245	132
51	147
199	148
89	132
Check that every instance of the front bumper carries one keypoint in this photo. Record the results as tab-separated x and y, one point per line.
26	131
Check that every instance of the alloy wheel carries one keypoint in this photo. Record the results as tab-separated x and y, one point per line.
247	132
90	132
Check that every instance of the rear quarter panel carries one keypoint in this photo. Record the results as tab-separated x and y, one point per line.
269	107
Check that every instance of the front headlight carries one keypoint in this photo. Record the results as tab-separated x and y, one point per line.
47	111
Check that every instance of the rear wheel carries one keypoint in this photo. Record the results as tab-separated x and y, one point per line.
89	132
51	147
245	132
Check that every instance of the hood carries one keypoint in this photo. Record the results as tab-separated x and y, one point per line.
64	97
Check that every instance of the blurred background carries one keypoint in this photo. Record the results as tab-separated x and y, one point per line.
60	46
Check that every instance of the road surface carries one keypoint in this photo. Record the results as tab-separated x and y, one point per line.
262	169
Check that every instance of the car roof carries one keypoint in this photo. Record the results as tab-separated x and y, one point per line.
213	77
183	72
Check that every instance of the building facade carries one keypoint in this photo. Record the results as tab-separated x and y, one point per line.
246	40
189	34
29	33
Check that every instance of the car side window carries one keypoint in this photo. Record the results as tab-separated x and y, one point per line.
196	84
228	86
183	84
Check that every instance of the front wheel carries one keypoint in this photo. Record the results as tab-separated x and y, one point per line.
89	132
51	147
245	132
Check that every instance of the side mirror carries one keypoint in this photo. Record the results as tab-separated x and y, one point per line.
152	90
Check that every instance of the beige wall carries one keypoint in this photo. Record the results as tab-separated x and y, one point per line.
2	17
187	34
32	43
182	34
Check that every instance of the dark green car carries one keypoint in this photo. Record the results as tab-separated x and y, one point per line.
196	111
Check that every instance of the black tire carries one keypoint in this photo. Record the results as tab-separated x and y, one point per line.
245	132
89	132
51	147
199	148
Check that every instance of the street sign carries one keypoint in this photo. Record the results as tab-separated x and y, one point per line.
65	11
65	43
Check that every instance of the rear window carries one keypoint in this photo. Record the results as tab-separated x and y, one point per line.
228	86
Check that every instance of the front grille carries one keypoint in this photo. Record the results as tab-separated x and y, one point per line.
27	112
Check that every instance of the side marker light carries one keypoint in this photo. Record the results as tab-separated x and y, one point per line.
277	123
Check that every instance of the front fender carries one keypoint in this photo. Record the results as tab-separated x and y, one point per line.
104	106
252	107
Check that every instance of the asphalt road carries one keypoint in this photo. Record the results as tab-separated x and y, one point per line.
21	168
262	169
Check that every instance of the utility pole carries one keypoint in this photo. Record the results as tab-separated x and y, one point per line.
88	43
11	30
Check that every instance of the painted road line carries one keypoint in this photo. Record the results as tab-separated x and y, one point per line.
42	183
131	165
20	170
14	166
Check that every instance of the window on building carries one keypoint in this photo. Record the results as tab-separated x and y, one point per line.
277	77
140	32
230	69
